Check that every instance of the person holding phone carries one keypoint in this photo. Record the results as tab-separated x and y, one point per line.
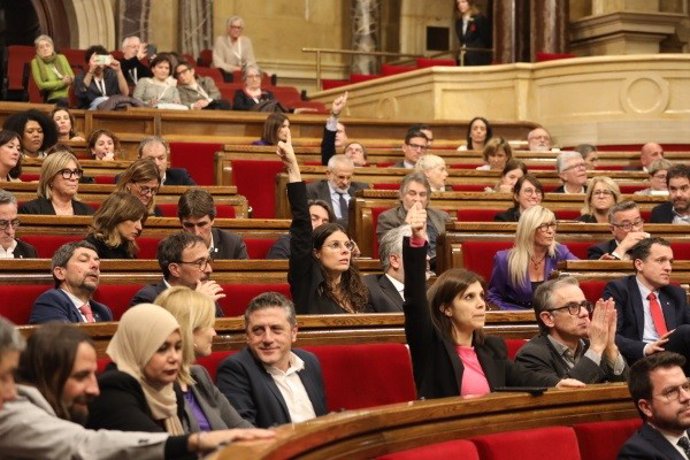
103	79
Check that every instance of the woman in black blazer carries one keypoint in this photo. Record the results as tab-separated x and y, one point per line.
116	226
251	95
474	31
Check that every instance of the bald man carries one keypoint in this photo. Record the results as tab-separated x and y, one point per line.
649	153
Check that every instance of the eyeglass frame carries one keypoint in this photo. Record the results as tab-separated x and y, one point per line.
146	190
77	173
419	147
14	223
547	225
629	226
336	246
605	192
586	304
582	165
201	264
673	393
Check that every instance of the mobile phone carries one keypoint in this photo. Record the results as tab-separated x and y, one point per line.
103	59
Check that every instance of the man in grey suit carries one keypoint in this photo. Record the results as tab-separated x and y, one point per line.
571	345
386	291
269	382
337	189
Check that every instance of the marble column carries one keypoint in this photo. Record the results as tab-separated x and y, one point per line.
549	22
133	19
196	26
365	17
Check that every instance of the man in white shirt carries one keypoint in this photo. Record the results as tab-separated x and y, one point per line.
10	246
387	291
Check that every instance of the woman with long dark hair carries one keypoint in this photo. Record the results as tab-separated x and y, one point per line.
474	31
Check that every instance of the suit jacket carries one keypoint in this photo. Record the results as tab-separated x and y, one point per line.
280	249
647	443
24	250
477	35
54	305
662	214
227	245
253	392
320	191
148	294
630	328
595	252
540	355
383	296
509	215
45	207
435	362
242	101
178	176
400	164
395	217
504	294
215	406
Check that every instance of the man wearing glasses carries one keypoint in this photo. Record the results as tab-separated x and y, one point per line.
576	341
415	145
198	92
661	392
10	246
184	260
572	170
627	228
653	315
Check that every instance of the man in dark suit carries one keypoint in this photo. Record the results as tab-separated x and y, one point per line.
197	212
677	209
415	145
661	393
627	228
387	291
76	271
653	315
572	170
649	153
158	148
10	246
320	213
184	260
268	382
337	189
571	345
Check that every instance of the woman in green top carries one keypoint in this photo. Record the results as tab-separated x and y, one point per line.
52	73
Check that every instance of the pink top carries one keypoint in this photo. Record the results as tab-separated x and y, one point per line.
473	379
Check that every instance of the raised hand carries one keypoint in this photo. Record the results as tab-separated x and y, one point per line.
416	218
211	289
339	104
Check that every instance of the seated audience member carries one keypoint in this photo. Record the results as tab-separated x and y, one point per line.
269	382
10	246
677	209
649	153
657	171
424	128
570	344
386	291
104	145
644	327
356	152
233	51
64	122
627	228
116	226
415	145
10	156
133	55
519	271
527	193
103	79
198	92
197	213
659	388
276	129
142	179
322	275
251	96
589	154
51	72
451	356
158	149
479	133
434	168
334	135
602	194
36	130
206	408
496	154
58	187
338	188
539	140
158	90
320	213
512	171
76	270
184	261
56	380
572	170
414	189
137	391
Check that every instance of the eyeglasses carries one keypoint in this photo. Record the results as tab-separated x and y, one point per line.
337	246
602	192
673	393
180	72
530	191
5	224
201	264
627	226
547	226
421	147
660	176
146	190
253	76
69	173
574	308
582	165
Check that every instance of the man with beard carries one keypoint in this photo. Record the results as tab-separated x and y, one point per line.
76	271
677	209
661	392
539	140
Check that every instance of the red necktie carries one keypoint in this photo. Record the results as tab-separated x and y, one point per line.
657	315
86	311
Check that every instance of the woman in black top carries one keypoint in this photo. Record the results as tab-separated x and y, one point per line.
527	192
474	31
116	226
251	96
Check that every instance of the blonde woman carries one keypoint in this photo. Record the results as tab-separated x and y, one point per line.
434	168
602	194
518	271
206	408
142	179
116	226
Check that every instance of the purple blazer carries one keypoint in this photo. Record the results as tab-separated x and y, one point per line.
504	294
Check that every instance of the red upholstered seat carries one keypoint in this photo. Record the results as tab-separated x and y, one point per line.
358	376
468	187
603	440
543	56
513	346
426	62
17	300
391	69
196	157
536	444
463	166
386	186
257	248
456	449
478	256
210	72
17	57
116	296
147	247
255	179
46	245
359	78
593	289
579	248
237	296
101	364
477	214
566	214
212	361
205	58
330	84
